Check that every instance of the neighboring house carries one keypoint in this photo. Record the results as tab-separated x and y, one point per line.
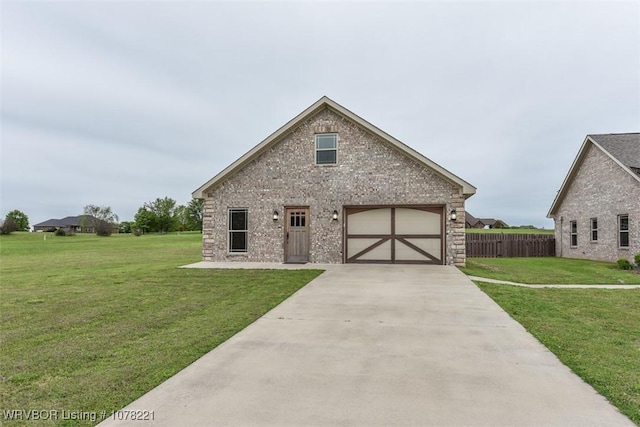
473	222
597	209
329	187
77	224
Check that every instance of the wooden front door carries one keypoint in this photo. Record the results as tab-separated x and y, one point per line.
296	246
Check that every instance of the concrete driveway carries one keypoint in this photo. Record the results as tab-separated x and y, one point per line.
380	345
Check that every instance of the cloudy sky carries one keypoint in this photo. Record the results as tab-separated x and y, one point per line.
118	103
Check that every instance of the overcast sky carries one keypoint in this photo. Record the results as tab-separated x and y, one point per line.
119	103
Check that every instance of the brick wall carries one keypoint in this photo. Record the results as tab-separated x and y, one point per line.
368	172
602	190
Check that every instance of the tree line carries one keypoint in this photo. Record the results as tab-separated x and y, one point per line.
162	215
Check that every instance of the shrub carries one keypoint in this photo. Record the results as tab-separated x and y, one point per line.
8	226
104	229
624	264
636	258
60	232
137	232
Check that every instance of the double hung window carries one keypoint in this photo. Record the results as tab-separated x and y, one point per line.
594	229
573	233
326	149
623	231
238	230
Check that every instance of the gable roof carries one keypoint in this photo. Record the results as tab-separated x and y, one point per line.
470	219
324	102
622	148
68	221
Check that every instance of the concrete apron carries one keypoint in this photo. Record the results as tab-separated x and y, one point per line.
380	345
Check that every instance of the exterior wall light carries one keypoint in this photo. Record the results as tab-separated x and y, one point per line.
276	215
453	215
335	215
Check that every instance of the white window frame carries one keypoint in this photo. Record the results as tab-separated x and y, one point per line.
573	232
230	250
625	231
335	135
594	229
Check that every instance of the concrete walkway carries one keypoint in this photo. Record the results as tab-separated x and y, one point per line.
525	285
380	345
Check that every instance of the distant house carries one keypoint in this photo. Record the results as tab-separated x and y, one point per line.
597	209
473	222
76	224
330	187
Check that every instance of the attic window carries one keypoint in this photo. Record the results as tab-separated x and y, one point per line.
326	149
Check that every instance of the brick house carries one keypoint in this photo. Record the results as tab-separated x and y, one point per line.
597	209
329	187
76	224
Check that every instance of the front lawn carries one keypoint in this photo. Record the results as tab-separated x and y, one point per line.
91	323
550	270
595	332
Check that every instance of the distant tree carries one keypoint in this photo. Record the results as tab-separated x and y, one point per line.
163	211
126	226
195	210
8	226
20	218
101	218
144	220
181	216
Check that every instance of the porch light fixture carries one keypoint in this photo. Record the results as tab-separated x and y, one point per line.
276	215
453	215
335	215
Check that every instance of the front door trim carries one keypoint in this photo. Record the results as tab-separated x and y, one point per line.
296	234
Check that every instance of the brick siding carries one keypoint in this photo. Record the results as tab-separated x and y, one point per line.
601	189
368	172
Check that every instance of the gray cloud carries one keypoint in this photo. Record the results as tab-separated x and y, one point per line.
119	103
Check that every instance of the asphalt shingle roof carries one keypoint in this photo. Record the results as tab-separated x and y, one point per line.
623	146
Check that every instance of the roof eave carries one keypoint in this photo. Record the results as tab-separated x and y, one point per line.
468	190
574	170
569	177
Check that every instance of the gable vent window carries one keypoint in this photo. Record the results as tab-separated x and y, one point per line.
573	233
623	231
326	149
238	230
594	229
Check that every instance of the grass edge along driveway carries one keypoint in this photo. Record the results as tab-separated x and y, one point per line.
89	324
595	332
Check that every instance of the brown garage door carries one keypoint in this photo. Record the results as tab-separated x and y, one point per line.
394	234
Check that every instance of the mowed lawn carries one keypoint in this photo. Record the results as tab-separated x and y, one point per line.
90	323
550	270
595	332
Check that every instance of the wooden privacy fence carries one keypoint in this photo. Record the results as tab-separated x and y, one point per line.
510	245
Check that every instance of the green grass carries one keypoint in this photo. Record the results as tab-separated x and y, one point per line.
90	323
549	270
508	231
595	332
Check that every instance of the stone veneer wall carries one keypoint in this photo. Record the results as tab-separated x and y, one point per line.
368	172
602	190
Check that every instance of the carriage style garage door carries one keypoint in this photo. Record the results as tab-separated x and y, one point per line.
399	234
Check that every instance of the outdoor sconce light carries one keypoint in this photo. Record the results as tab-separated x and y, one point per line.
335	215
276	215
453	215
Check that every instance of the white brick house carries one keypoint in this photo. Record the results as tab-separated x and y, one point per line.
597	209
329	187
